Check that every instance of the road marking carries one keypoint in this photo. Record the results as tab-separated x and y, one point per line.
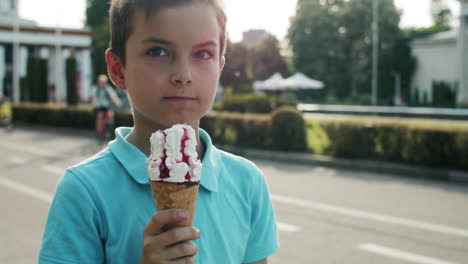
371	216
287	227
27	149
53	169
402	255
17	160
38	194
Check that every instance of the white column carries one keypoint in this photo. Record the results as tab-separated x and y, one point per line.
58	65
63	72
463	51
2	69
84	67
23	66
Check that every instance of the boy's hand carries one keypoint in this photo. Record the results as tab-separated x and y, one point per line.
172	246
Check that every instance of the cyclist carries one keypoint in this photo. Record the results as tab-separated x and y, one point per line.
102	97
6	113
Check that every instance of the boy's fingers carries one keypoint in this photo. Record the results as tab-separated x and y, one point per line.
162	218
177	235
184	249
187	260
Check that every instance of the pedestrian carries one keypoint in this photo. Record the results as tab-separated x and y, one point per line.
168	56
103	96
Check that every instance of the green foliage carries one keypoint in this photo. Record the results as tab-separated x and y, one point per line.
235	73
72	89
410	142
441	13
247	130
55	115
97	17
97	12
430	145
331	41
247	63
265	59
443	95
101	38
288	129
252	103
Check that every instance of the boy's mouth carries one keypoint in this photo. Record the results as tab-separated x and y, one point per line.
178	98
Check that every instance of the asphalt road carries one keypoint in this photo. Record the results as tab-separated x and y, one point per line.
324	215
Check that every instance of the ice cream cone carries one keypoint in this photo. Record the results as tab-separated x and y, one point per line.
168	195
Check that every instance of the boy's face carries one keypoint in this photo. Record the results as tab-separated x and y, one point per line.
173	64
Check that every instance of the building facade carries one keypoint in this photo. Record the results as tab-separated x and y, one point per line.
20	39
443	57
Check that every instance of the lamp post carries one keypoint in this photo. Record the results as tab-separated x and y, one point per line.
375	50
463	54
16	58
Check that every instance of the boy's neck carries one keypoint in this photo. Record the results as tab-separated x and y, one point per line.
140	138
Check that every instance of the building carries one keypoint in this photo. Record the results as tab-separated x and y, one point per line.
20	39
253	36
443	57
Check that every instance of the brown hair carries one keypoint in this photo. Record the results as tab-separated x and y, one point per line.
122	12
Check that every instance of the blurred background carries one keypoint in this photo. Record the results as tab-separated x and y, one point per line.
355	110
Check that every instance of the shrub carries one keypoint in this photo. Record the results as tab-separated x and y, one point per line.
398	142
72	89
247	130
288	129
252	103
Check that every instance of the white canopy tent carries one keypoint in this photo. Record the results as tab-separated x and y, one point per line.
298	81
270	84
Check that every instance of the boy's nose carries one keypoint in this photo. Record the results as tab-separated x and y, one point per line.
181	76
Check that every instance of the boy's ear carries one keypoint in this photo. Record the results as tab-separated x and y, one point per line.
115	69
222	62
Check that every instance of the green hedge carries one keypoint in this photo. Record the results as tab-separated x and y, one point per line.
412	142
253	103
420	145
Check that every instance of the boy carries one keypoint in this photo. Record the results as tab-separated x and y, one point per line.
168	55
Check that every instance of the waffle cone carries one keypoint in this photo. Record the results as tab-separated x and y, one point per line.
168	195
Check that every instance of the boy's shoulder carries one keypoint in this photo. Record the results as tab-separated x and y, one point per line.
236	163
96	167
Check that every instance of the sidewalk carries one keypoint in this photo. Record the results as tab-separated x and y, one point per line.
397	169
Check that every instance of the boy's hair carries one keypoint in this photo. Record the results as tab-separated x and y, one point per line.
122	14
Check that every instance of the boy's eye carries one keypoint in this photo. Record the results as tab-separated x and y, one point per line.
157	52
203	54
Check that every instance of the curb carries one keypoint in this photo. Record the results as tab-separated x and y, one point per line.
409	171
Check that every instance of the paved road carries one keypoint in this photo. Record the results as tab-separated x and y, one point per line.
324	215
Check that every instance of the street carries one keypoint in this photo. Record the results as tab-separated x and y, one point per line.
324	215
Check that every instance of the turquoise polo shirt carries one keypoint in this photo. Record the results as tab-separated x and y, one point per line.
102	205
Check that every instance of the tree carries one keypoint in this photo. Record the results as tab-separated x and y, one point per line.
97	12
441	13
97	17
72	89
235	73
331	41
265	59
317	43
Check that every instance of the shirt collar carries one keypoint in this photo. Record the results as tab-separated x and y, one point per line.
134	161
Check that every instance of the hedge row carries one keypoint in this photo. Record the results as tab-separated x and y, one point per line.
400	142
252	103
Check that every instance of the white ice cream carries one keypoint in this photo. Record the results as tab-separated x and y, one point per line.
171	143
